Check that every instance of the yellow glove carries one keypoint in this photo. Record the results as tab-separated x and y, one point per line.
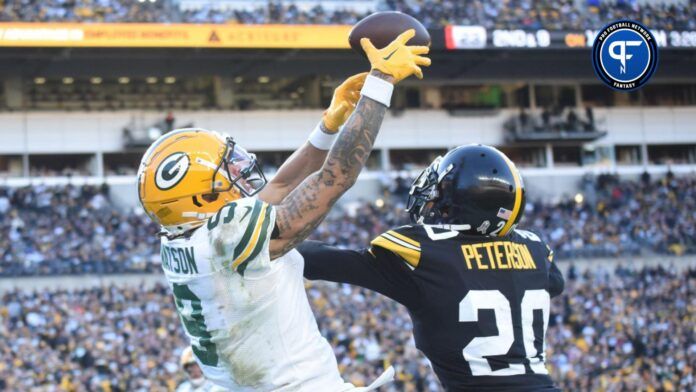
397	59
343	103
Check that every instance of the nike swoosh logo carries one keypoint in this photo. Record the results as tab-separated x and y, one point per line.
390	54
248	210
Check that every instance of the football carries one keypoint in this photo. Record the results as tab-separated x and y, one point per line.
382	27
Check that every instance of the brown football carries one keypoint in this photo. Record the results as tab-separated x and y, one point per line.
382	27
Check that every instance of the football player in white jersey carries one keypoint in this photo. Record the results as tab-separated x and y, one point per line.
228	237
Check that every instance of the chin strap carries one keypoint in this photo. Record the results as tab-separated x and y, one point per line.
177	230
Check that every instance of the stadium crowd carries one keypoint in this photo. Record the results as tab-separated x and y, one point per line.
613	218
48	230
614	330
511	14
624	330
78	229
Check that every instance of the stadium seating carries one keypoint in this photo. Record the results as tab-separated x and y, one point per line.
535	14
116	241
110	338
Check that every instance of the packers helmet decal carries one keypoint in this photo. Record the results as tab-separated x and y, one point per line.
188	175
172	170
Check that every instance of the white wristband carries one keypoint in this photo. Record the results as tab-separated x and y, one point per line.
378	89
321	139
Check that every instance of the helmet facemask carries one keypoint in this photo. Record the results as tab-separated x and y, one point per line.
425	190
241	170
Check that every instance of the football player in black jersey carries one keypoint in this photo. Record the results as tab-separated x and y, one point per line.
478	290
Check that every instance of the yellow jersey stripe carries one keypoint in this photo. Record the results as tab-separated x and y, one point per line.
411	256
518	199
254	238
550	257
400	242
404	238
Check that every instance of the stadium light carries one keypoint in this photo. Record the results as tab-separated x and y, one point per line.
151	80
153	133
68	80
95	80
170	80
124	80
238	79
264	79
579	198
39	80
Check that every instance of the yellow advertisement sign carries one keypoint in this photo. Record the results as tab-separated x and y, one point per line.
151	35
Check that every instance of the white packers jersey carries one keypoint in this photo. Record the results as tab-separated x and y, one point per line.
248	319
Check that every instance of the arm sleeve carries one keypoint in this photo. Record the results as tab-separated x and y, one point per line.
376	269
556	281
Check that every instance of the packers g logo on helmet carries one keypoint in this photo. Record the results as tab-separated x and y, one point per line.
171	170
188	175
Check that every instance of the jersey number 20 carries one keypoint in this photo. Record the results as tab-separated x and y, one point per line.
479	348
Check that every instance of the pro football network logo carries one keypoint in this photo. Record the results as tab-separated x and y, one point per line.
171	170
624	55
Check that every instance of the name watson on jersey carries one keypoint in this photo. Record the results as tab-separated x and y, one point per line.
179	260
498	255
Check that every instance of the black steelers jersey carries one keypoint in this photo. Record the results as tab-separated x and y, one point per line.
479	305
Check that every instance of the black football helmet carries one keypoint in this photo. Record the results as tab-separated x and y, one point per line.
474	189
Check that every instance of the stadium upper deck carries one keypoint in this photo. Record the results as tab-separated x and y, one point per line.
83	98
526	14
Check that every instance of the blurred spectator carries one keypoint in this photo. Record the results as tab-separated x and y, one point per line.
87	11
492	14
628	217
72	229
624	330
589	114
551	120
169	122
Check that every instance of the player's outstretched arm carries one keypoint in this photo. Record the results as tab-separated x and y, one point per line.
305	207
309	158
376	269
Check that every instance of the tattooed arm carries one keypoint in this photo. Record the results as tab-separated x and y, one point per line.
303	162
308	158
307	205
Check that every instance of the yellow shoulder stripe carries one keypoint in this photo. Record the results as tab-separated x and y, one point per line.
254	238
403	238
411	254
